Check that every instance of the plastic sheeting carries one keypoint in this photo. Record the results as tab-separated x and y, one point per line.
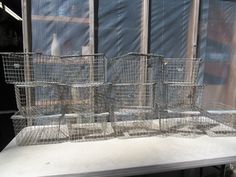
169	25
119	31
119	27
68	19
217	46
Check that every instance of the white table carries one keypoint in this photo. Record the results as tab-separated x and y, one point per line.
116	157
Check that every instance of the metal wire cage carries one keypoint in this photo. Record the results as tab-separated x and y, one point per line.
178	84
213	119
179	97
85	69
180	70
33	68
134	68
133	109
30	68
91	105
87	127
186	124
133	91
43	99
71	98
223	118
182	96
89	98
43	130
56	129
80	108
216	119
60	128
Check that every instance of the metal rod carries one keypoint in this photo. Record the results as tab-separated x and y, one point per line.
144	49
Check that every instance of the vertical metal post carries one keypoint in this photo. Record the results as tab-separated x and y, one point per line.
91	26
192	37
91	38
145	27
26	28
201	172
192	45
92	51
144	50
26	25
193	29
223	170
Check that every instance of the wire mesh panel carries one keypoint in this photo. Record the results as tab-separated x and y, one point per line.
56	128
177	79
44	99
134	68
133	109
178	86
86	127
186	124
69	98
48	69
133	92
44	130
90	103
61	110
224	118
25	68
217	120
183	96
179	97
183	70
90	98
131	95
85	69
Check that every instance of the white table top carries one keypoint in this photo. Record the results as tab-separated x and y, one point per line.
116	157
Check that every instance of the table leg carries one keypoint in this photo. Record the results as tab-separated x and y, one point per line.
222	170
201	172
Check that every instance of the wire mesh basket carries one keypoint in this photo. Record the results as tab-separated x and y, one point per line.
133	109
80	107
134	68
91	104
182	96
87	127
85	69
31	68
90	98
215	120
71	98
178	84
186	123
224	119
43	130
60	128
179	97
133	94
43	99
25	68
181	70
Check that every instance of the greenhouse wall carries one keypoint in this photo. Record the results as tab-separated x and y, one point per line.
119	29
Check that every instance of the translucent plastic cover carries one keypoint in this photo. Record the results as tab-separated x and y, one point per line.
119	31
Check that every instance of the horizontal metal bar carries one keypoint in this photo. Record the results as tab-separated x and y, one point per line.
138	54
8	112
